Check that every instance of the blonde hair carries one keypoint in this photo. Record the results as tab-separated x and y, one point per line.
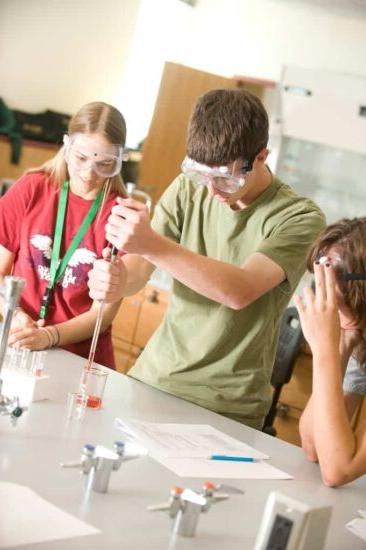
93	118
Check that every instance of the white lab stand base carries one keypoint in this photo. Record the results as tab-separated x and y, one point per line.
26	386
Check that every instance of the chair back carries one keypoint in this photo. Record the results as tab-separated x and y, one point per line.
289	342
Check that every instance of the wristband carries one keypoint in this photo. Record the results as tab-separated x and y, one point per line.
56	340
49	336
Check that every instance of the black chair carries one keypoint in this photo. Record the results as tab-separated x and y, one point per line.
290	340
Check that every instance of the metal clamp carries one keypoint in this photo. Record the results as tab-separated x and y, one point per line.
11	293
185	506
97	464
10	406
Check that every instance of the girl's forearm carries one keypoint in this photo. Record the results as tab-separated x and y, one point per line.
307	432
333	437
81	328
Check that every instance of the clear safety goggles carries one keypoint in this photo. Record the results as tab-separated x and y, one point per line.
336	262
84	153
227	179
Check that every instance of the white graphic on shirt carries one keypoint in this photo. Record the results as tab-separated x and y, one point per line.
82	256
43	243
73	272
68	278
43	272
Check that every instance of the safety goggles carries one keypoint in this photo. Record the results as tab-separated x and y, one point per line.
84	153
337	264
227	179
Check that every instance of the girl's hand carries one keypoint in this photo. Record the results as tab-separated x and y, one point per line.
346	320
351	333
31	337
319	312
21	320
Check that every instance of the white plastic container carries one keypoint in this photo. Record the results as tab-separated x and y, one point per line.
24	385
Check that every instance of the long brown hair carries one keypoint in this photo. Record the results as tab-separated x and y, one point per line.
347	237
93	118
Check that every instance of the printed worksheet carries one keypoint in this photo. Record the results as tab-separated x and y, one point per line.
211	469
185	440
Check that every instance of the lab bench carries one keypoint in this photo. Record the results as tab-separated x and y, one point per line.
32	450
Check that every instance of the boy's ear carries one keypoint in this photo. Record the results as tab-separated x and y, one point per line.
262	155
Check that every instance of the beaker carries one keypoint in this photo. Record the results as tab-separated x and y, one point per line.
92	385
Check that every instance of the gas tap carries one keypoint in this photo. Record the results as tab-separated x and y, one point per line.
97	463
185	506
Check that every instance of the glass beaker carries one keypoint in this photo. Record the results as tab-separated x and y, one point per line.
76	406
92	385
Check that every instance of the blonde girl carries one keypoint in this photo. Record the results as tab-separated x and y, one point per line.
52	228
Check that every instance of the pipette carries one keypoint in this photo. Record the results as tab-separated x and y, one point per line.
99	319
93	346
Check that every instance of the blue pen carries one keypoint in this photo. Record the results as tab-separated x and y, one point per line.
234	458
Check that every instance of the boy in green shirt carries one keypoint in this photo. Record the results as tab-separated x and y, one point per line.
234	238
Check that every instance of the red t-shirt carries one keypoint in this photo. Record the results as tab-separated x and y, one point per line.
27	221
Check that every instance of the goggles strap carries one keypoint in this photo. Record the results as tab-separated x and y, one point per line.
57	267
354	276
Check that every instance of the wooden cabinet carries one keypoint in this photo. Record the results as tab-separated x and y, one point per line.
137	319
34	153
294	397
152	312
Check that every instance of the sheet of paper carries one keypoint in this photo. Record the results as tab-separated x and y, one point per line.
199	467
185	440
26	518
358	527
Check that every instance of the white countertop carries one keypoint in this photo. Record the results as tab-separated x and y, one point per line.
31	452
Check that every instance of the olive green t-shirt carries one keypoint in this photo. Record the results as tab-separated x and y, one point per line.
203	351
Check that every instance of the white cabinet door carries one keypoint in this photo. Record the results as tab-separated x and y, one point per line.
324	107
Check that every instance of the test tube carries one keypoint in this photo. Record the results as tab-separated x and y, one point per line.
9	357
38	361
15	357
76	406
24	357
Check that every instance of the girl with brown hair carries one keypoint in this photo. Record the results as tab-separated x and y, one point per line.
334	323
52	228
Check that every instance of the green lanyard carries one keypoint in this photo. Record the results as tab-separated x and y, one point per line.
58	266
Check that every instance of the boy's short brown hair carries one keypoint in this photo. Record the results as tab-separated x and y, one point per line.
225	125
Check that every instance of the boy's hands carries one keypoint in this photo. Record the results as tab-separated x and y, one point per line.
128	226
319	312
107	280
